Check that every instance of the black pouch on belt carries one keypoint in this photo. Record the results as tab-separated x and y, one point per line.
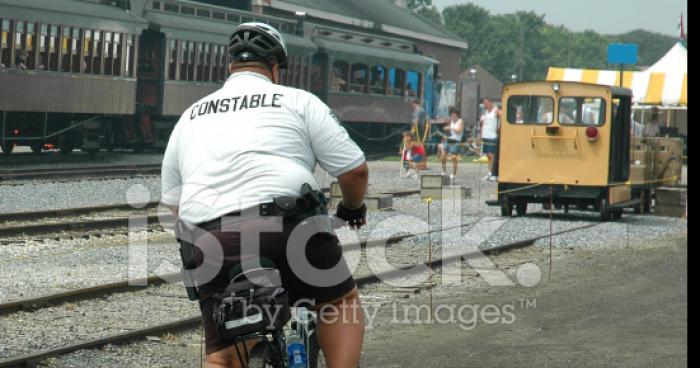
185	236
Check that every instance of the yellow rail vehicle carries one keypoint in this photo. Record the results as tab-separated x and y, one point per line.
565	144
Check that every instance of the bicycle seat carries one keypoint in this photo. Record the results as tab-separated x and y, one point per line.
258	270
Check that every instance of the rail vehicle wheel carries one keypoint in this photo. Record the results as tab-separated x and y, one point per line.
66	143
646	201
7	148
506	207
521	208
616	215
37	148
546	206
605	213
566	209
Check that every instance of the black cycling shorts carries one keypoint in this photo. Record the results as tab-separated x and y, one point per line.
323	251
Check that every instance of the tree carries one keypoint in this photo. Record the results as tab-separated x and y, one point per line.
430	12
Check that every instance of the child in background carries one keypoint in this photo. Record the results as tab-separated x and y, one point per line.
413	152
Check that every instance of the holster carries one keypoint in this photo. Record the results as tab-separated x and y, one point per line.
186	237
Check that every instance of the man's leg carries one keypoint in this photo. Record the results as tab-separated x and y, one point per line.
228	358
340	330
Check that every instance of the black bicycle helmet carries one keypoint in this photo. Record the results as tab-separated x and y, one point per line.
254	41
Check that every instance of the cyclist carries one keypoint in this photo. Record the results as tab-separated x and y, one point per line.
241	149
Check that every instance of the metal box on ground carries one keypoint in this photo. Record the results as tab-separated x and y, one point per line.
434	181
374	202
446	192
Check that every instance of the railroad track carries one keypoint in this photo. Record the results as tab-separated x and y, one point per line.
195	321
33	229
78	172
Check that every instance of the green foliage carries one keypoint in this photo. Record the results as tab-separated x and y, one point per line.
524	45
430	12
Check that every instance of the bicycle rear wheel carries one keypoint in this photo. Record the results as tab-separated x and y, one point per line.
266	355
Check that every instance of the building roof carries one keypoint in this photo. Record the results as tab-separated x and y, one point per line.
382	15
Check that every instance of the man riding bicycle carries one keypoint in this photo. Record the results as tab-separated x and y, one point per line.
233	161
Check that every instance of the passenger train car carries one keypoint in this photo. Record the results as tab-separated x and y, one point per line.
95	74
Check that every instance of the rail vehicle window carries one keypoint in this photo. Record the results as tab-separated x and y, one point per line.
129	55
187	10
117	52
235	18
530	109
76	64
173	8
378	80
156	5
201	62
358	78
190	61
339	76
95	52
413	84
172	59
397	82
109	62
19	34
30	46
183	59
54	46
218	16
247	20
203	13
65	49
4	44
42	49
582	111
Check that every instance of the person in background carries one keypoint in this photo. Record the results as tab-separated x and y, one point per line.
452	148
652	127
413	153
418	118
490	126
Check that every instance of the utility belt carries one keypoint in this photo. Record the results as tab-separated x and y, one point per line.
309	204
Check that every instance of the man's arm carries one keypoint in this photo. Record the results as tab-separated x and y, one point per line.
354	186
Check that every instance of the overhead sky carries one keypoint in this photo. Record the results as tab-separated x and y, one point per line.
604	16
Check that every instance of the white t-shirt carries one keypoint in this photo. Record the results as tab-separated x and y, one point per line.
489	129
248	143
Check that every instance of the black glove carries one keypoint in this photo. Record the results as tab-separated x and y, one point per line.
355	218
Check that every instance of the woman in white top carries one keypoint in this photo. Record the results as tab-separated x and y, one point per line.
452	147
490	126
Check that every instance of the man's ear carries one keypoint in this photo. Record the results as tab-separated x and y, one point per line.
276	73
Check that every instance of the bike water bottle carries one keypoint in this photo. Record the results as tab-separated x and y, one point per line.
296	352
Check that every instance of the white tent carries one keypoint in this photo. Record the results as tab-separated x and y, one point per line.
664	83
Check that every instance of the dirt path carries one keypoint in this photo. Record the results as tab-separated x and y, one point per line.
603	308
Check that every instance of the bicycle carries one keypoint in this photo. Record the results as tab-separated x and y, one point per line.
256	311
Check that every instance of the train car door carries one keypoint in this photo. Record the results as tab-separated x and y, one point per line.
150	86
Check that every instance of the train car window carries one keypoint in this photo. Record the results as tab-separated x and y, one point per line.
208	62
173	8
117	53
397	82
190	61
96	52
413	84
187	10
582	111
339	76
107	48
43	50
19	34
530	109
54	46
87	59
203	13
30	47
5	44
358	78
156	5
201	62
172	60
129	55
184	54
65	49
218	16
378	80
247	20
76	64
234	18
